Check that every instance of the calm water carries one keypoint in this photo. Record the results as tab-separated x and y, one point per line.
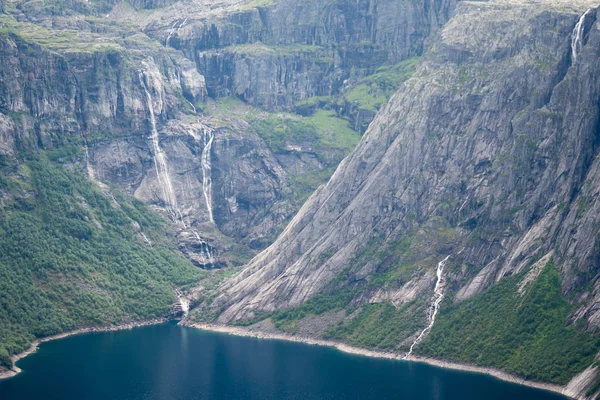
171	362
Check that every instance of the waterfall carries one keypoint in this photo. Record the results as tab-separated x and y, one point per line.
174	29
206	256
207	139
89	168
160	161
193	106
438	296
577	35
184	303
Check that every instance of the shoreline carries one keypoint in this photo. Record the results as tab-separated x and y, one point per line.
246	332
496	373
108	328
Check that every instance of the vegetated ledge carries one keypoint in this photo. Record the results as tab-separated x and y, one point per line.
8	373
497	373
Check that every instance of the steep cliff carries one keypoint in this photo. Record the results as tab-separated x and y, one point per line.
131	87
486	158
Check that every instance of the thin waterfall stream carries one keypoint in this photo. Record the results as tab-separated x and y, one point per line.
207	142
160	161
438	296
577	35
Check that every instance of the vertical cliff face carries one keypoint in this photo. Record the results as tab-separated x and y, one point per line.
130	86
278	53
487	155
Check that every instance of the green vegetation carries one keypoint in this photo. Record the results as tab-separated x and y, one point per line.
323	133
5	360
373	91
71	257
249	6
286	319
528	335
381	326
258	48
305	184
58	40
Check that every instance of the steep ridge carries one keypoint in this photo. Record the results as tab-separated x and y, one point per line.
489	153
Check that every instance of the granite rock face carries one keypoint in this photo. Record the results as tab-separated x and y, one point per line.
310	49
488	154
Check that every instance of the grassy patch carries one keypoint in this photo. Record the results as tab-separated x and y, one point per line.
58	40
258	48
321	133
373	91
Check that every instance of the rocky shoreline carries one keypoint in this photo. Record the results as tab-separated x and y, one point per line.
34	345
243	331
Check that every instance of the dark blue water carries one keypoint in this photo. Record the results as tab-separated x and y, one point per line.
171	362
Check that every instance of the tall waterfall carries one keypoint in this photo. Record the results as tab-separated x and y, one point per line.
207	141
577	35
438	296
160	161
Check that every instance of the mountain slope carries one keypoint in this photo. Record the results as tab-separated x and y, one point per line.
71	256
488	155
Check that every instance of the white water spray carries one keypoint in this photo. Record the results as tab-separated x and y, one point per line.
438	296
160	161
184	303
577	35
207	141
206	256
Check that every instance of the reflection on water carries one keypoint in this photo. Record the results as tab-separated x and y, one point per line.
170	362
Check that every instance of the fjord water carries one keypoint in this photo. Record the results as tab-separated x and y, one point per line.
172	362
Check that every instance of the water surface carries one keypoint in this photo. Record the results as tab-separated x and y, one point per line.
171	362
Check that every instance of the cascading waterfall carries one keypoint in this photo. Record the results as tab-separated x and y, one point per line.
438	296
577	35
205	251
160	161
184	303
207	140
